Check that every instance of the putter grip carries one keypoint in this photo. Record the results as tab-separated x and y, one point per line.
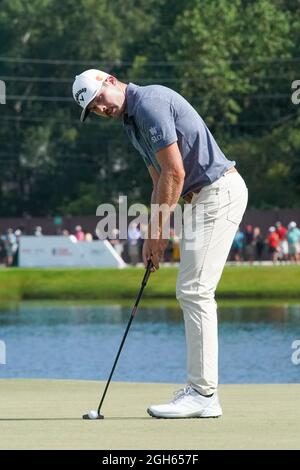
147	273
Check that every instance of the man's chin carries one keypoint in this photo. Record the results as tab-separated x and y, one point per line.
117	114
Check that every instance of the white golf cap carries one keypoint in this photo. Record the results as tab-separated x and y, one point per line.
292	225
85	88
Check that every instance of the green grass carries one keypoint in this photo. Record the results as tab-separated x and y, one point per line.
46	414
238	282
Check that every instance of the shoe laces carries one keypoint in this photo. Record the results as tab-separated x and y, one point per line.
182	393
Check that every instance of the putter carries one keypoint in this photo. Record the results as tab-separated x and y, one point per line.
96	414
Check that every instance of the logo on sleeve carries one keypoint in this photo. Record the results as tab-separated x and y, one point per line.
155	136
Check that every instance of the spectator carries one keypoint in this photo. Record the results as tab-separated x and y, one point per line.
65	233
18	234
283	243
258	243
273	242
293	237
11	246
38	232
176	249
168	255
134	235
116	242
238	245
88	237
249	244
2	250
73	238
79	233
144	231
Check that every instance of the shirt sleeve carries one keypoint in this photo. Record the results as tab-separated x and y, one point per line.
145	157
158	123
131	135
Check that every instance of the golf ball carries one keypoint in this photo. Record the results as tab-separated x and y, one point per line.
93	414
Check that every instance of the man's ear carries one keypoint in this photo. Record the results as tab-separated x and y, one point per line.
111	79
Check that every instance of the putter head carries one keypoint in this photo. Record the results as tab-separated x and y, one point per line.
87	417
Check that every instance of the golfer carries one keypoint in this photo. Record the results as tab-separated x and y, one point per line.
183	159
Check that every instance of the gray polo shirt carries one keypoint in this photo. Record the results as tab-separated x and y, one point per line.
157	116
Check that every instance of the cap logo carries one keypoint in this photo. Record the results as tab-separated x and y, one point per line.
100	77
78	93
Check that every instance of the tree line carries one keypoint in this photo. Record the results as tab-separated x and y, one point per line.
234	60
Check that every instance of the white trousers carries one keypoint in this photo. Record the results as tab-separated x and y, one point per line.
213	218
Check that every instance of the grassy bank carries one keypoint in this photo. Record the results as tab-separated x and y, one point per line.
250	282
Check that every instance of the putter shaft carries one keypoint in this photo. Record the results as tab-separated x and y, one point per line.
133	313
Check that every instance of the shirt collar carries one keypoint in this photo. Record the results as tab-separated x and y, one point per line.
131	99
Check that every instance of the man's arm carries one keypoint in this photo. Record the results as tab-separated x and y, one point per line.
167	187
155	177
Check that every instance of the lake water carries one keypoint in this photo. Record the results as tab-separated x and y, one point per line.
75	341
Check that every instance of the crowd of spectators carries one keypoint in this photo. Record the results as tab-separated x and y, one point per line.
131	249
279	244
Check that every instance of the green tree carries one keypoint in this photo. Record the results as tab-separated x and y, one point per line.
234	60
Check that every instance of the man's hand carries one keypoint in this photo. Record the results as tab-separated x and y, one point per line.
154	249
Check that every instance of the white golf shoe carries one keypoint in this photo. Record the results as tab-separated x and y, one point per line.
187	403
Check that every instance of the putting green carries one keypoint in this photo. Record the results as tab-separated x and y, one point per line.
46	414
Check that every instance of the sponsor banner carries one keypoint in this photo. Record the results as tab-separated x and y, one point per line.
57	251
